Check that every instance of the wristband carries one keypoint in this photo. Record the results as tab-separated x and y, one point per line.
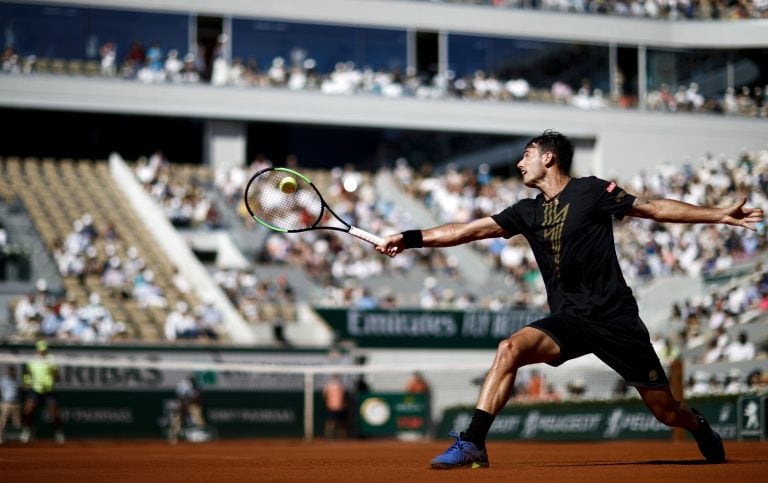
412	239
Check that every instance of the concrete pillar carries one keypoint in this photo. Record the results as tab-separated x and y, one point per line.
642	78
224	143
442	53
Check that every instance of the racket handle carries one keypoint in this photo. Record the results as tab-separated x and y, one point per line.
364	235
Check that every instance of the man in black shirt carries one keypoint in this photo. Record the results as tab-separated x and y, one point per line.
569	228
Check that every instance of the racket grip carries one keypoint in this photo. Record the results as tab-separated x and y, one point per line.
364	235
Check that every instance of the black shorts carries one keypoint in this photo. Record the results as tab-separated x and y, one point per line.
337	415
622	342
41	398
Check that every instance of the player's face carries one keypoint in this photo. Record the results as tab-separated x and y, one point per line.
531	166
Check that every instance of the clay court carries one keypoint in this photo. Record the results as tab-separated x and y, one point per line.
372	461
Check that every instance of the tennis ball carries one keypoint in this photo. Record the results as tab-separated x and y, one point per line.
288	185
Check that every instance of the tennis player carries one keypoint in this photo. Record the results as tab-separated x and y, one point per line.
40	376
568	226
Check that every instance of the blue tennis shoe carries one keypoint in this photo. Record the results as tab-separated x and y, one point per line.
462	453
710	443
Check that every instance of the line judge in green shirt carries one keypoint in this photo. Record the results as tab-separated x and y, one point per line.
40	376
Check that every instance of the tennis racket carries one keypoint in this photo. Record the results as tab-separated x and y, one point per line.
286	201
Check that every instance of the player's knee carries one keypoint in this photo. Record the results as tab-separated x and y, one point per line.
508	352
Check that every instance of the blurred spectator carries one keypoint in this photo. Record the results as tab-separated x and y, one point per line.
551	394
108	53
190	408
146	293
417	384
180	324
667	351
735	382
10	399
189	73
700	384
713	353
757	380
620	389
576	388
114	278
336	408
535	387
134	60
27	316
209	320
278	332
173	66
154	57
740	350
719	316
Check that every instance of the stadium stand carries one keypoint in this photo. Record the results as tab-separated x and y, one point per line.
651	9
348	79
91	230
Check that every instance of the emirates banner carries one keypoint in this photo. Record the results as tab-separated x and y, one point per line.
433	329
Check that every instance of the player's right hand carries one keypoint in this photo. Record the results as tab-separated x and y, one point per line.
393	244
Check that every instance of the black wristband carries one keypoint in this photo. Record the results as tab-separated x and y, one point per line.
413	239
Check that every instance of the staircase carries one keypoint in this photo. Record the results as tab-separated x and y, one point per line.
21	231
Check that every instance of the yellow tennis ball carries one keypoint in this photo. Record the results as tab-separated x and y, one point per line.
287	185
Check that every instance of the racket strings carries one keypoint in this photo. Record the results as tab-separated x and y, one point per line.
283	211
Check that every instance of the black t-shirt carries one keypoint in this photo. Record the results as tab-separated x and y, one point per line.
572	239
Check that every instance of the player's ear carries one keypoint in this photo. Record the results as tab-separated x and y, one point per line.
549	159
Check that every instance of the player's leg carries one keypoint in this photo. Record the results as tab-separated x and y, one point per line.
625	345
28	413
528	346
174	425
667	409
196	415
5	412
16	415
53	410
675	413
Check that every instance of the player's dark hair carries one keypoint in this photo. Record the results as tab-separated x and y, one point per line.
558	144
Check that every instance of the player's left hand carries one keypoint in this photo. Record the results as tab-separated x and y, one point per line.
740	215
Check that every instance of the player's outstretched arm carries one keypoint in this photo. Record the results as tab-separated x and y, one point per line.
448	235
666	210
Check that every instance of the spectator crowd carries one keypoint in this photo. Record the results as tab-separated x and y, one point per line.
156	65
97	257
651	9
649	250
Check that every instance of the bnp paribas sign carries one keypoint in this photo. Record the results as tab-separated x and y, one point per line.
426	328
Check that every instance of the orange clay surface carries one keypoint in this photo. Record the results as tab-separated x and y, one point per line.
371	461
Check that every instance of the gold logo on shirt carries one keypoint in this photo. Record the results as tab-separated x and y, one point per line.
653	375
554	221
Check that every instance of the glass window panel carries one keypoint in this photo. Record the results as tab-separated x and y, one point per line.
45	31
541	63
383	49
707	68
77	33
120	27
750	68
262	41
